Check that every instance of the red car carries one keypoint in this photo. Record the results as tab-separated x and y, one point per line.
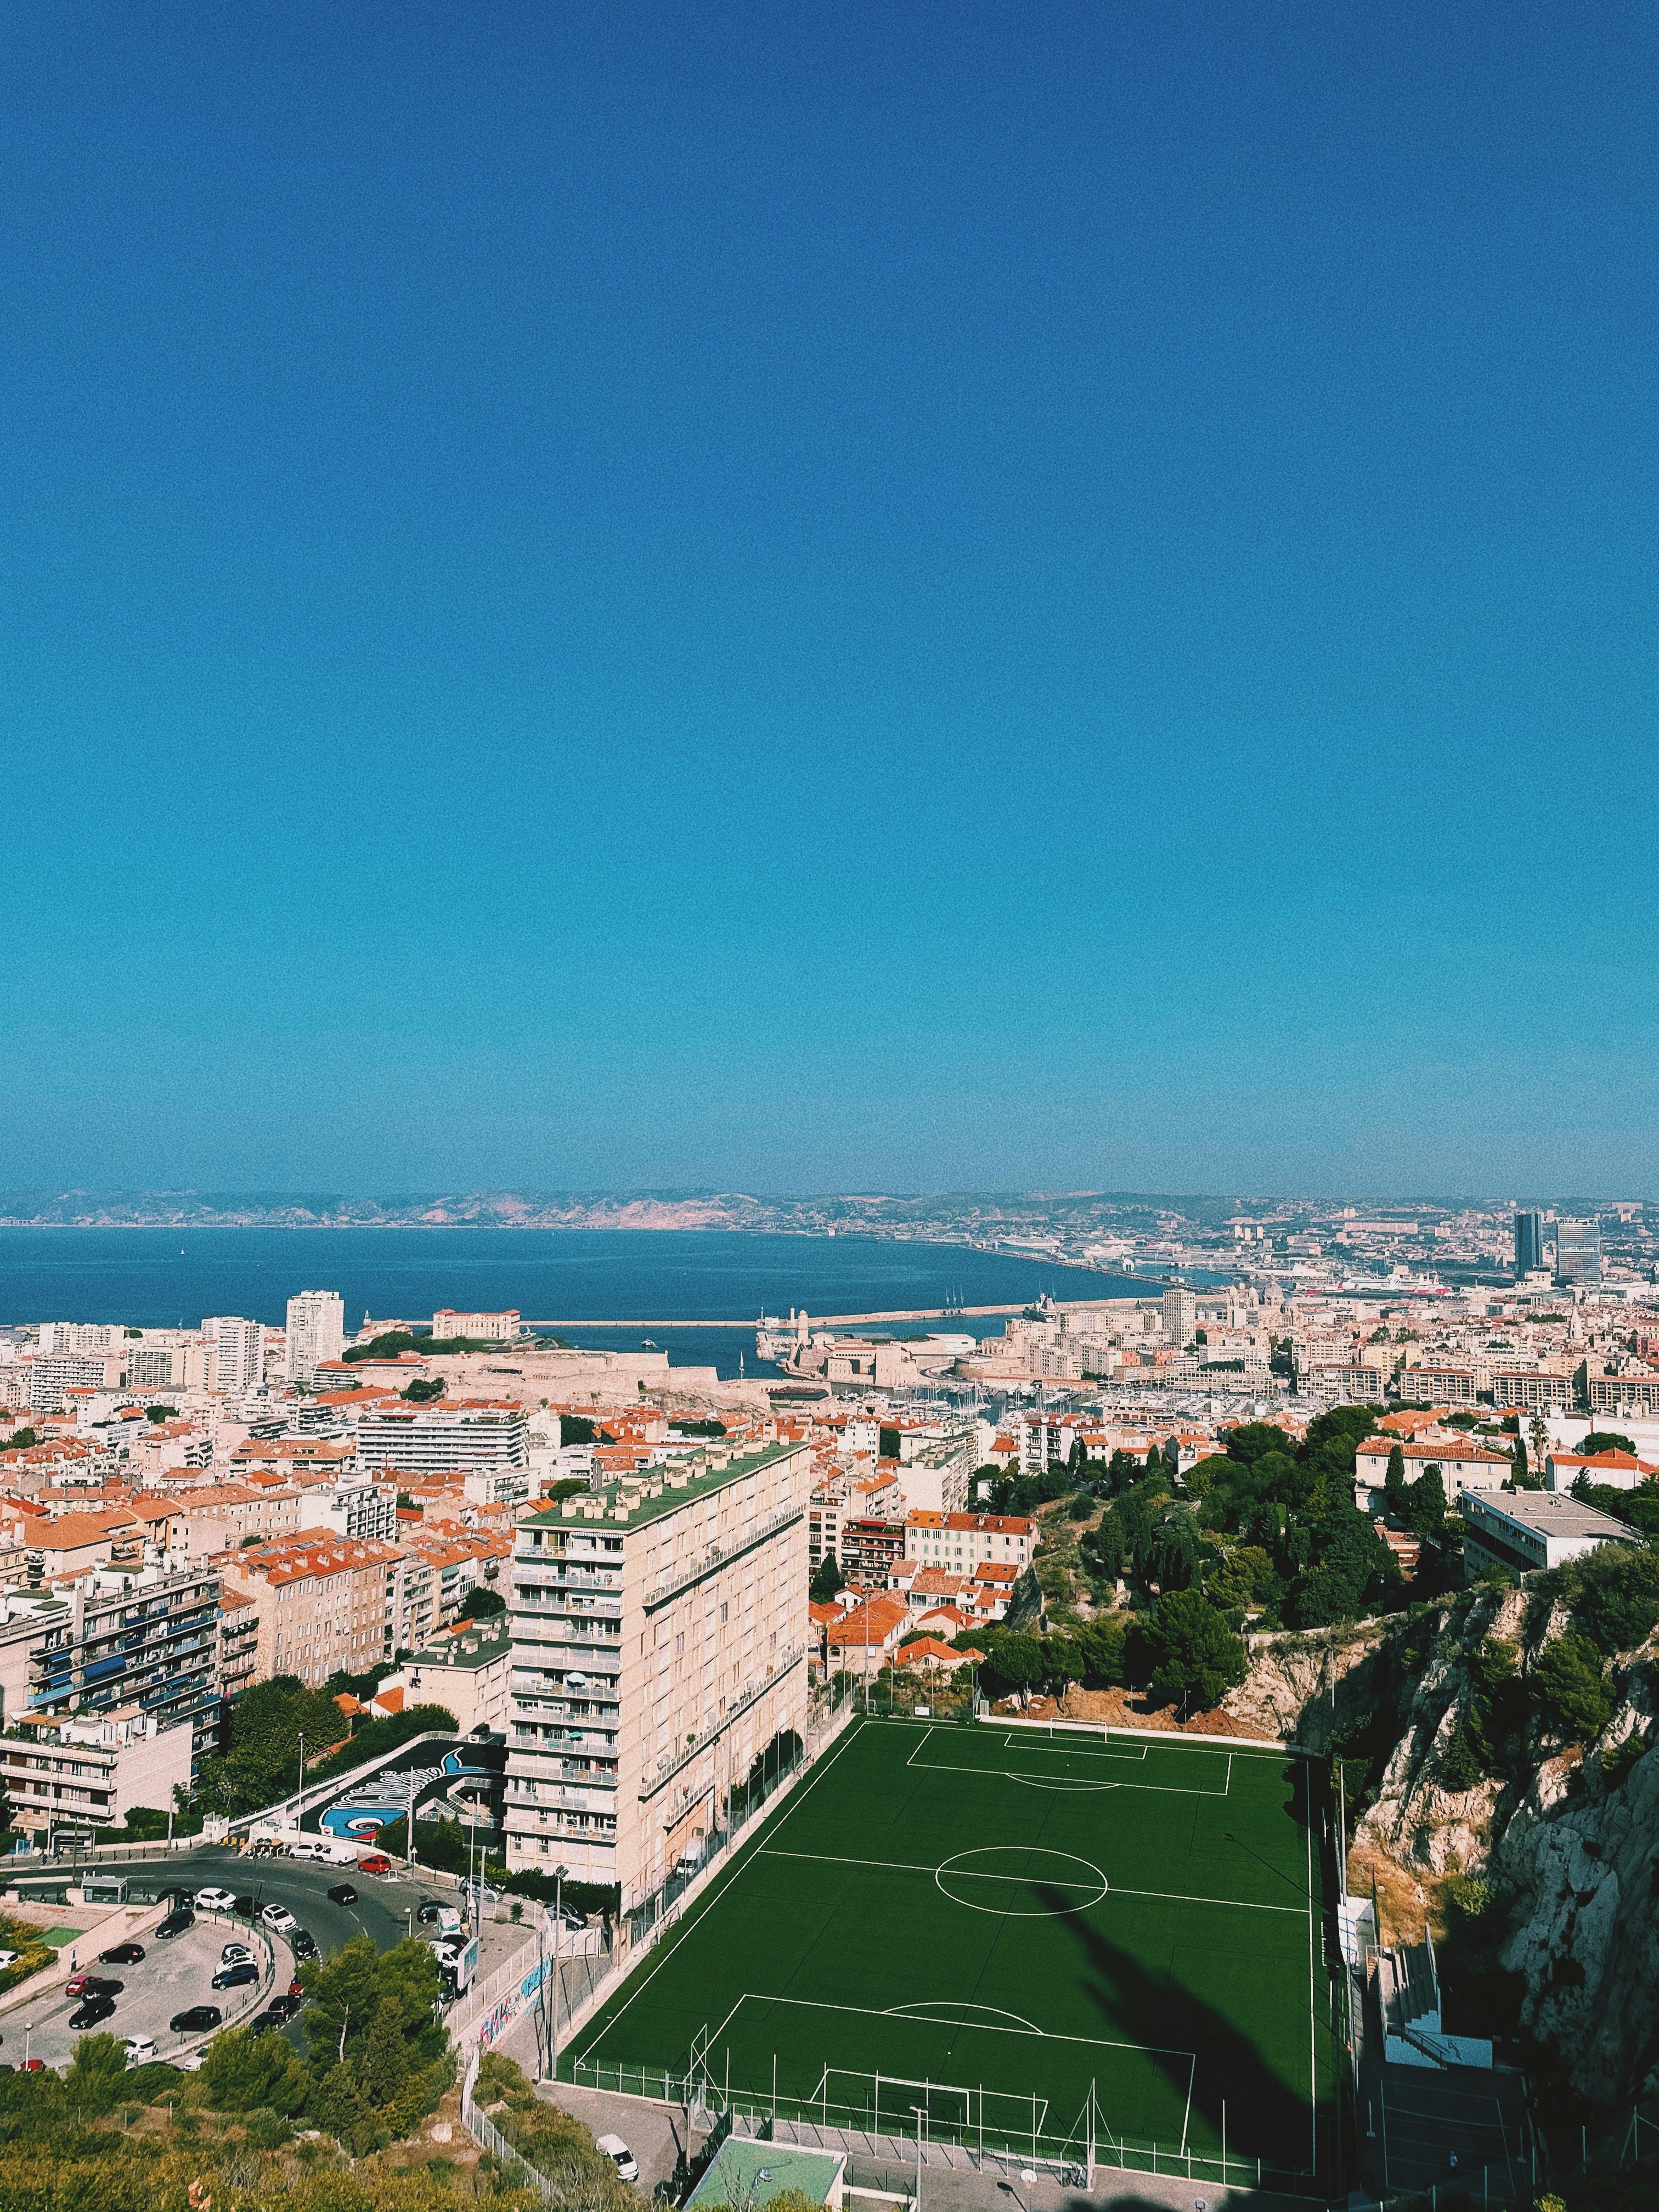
296	1988
376	1862
91	1986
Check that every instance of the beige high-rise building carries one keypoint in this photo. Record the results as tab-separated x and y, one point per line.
316	1333
658	1649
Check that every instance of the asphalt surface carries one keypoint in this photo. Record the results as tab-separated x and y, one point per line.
178	1973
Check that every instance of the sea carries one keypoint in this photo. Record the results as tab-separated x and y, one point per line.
721	1279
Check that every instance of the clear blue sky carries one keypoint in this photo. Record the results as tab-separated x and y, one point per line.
829	596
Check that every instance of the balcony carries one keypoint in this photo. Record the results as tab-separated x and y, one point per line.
700	1744
682	1577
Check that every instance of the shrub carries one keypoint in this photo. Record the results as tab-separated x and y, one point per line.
1567	1678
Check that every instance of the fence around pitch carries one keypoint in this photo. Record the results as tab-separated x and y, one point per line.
823	2122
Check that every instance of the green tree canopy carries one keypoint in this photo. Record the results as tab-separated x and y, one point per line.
1194	1653
1567	1677
246	2073
97	2073
828	1581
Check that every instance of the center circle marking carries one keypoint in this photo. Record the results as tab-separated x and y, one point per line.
982	1879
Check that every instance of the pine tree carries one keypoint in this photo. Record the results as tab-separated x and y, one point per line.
385	2069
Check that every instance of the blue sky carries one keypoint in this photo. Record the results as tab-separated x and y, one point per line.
829	597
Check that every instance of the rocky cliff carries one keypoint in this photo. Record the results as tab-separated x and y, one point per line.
1531	1846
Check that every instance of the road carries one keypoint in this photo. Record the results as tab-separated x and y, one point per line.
175	1974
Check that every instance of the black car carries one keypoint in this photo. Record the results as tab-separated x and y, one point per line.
431	1910
284	2008
236	1977
175	1923
263	2023
247	1906
343	1893
197	2021
302	1943
94	2010
121	1954
177	1899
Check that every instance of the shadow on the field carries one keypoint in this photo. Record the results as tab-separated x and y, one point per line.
1264	2119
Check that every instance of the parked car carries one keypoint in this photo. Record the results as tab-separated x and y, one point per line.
90	2014
91	1985
233	1952
262	2023
296	1987
196	2020
215	1900
303	1943
343	1893
567	1915
178	1900
279	1918
141	2048
121	1954
246	1907
237	1977
175	1923
34	2066
10	1958
620	2156
376	1862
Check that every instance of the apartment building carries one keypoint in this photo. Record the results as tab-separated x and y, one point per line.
1534	1528
316	1333
239	1642
1463	1467
460	1560
112	1639
658	1649
325	1605
965	1541
466	1437
467	1669
64	1777
236	1353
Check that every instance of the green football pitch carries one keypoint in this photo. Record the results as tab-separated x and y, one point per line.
1026	1939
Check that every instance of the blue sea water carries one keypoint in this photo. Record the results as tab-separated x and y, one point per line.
150	1278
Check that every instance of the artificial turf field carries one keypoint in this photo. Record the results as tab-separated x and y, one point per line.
985	1921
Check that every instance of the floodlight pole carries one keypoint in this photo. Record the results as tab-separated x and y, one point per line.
921	2116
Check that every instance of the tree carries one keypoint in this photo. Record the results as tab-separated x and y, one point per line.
484	1604
1426	1504
575	1429
97	2073
1614	1594
1567	1676
1605	1440
1194	1653
423	1389
246	2073
385	2072
828	1582
889	1444
1393	1482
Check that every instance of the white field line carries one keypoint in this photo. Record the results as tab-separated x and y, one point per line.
864	2013
717	1890
901	1866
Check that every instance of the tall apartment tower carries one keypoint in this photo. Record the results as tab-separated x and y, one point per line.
1577	1251
316	1332
1528	1244
657	1652
236	1352
1180	1315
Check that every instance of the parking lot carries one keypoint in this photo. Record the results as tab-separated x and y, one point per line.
170	1976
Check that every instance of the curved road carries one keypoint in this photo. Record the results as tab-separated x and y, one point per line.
381	1912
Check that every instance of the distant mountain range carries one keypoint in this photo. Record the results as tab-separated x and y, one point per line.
975	1215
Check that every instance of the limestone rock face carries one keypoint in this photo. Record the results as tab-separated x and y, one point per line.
1301	1688
1579	1861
